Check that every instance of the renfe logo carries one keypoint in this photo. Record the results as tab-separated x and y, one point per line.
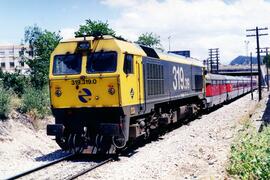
179	80
84	95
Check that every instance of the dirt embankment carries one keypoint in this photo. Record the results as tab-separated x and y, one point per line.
21	143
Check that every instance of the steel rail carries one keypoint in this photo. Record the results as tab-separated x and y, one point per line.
41	167
89	169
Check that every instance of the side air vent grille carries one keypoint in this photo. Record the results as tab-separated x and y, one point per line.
155	79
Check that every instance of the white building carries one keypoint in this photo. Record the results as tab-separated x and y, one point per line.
10	58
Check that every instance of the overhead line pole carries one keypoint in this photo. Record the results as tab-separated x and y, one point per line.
214	60
267	69
258	54
251	82
211	61
169	38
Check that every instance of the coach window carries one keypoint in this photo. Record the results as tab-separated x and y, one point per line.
128	64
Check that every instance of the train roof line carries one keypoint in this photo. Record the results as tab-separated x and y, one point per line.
87	38
227	77
149	51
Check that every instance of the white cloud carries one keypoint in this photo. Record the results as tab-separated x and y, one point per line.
67	33
121	3
196	25
5	43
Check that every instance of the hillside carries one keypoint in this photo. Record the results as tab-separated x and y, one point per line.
243	60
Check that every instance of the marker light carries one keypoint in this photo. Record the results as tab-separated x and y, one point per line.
58	92
111	90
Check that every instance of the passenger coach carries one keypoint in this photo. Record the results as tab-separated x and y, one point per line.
220	88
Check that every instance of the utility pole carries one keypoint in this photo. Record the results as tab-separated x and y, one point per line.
211	60
169	38
265	50
251	79
258	54
214	60
205	63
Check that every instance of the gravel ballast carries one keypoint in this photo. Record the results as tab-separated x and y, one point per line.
199	150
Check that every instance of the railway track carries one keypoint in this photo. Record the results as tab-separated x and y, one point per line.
65	158
89	169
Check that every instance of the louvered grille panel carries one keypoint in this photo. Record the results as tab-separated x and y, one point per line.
155	79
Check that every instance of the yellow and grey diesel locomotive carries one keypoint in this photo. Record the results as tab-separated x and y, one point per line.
105	92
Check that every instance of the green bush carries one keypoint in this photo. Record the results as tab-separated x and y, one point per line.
36	102
250	156
5	105
15	81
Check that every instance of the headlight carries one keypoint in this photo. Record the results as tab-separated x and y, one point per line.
58	92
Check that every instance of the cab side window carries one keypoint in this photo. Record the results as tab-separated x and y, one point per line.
128	64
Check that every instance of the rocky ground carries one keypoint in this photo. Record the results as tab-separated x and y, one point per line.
22	146
198	150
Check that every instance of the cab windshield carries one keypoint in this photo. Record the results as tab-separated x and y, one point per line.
67	64
101	62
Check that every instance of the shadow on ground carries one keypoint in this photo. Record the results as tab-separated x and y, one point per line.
58	154
266	116
52	156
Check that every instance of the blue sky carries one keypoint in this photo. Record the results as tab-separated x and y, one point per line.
48	14
196	25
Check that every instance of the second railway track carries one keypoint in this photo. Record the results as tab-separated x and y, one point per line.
68	167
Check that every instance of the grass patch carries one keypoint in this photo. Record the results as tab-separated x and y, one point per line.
15	102
36	102
250	155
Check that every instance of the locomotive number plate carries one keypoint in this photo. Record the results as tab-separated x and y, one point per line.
83	81
180	82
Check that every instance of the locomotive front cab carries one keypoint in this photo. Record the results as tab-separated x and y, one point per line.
83	78
95	85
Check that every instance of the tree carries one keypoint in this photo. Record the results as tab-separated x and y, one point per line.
266	60
15	81
31	34
95	28
149	39
41	43
1	74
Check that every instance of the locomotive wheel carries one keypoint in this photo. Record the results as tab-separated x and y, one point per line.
62	142
75	143
104	144
118	142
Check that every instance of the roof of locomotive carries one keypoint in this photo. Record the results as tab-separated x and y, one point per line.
133	48
178	58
